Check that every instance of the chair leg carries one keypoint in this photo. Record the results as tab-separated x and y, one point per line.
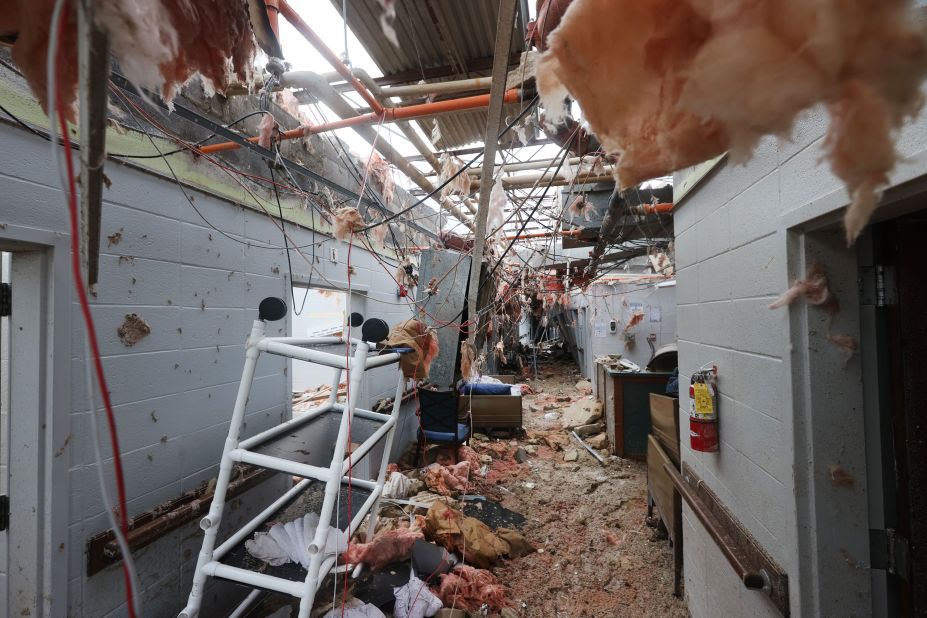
418	453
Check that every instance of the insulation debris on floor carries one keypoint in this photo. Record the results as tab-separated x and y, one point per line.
525	525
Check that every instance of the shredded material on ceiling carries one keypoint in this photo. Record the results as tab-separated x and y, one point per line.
266	130
497	200
667	84
379	169
579	207
347	221
379	232
159	44
387	19
450	169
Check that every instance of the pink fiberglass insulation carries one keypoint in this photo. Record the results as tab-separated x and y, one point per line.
465	453
451	171
666	84
378	168
159	44
469	589
814	288
386	548
579	207
347	221
379	232
214	39
447	480
266	130
31	50
467	360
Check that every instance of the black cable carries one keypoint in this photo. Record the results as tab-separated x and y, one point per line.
197	210
512	243
337	145
286	245
466	166
196	143
33	130
76	145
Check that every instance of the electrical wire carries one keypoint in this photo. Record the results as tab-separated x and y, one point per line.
458	173
289	263
75	146
69	185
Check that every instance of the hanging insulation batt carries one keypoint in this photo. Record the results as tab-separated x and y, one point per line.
666	84
159	44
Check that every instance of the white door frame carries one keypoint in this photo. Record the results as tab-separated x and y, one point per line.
40	428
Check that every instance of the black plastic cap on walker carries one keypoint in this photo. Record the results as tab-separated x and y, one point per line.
375	330
356	319
272	309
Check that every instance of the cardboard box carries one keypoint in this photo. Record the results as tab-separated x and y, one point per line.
664	423
659	483
493	411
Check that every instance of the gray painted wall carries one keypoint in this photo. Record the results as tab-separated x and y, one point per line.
173	391
790	404
603	302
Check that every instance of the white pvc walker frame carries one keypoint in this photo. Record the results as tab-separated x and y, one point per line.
209	561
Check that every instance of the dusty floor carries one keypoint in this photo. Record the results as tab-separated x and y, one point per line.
598	555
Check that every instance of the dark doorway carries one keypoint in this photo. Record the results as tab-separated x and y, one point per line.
900	297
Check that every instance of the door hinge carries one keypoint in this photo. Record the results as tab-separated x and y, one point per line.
6	299
889	551
4	512
877	286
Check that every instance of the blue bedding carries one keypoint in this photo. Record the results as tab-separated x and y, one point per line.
482	388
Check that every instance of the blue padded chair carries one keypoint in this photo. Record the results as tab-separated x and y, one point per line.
439	423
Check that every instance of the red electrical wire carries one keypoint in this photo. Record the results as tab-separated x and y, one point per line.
349	412
91	330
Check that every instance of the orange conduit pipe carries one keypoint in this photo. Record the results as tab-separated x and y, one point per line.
303	28
653	209
389	114
273	16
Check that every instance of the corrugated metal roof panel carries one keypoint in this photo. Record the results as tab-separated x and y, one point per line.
435	33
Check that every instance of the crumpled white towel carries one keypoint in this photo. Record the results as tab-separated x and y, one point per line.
289	542
263	547
397	486
415	600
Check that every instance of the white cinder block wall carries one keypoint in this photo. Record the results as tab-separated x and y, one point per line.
604	302
173	391
731	257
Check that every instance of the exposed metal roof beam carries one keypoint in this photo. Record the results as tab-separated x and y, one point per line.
478	149
504	25
416	75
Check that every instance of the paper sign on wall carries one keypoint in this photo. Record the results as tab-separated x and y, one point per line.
598	328
656	315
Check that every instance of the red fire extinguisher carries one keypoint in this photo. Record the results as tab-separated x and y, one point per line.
703	410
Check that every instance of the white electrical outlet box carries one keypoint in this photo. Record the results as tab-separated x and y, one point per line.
333	256
612	326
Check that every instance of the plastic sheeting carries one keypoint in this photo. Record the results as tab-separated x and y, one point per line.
290	542
415	600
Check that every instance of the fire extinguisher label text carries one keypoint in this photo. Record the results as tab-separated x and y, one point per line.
704	400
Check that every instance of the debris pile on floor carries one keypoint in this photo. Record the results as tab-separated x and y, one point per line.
527	525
